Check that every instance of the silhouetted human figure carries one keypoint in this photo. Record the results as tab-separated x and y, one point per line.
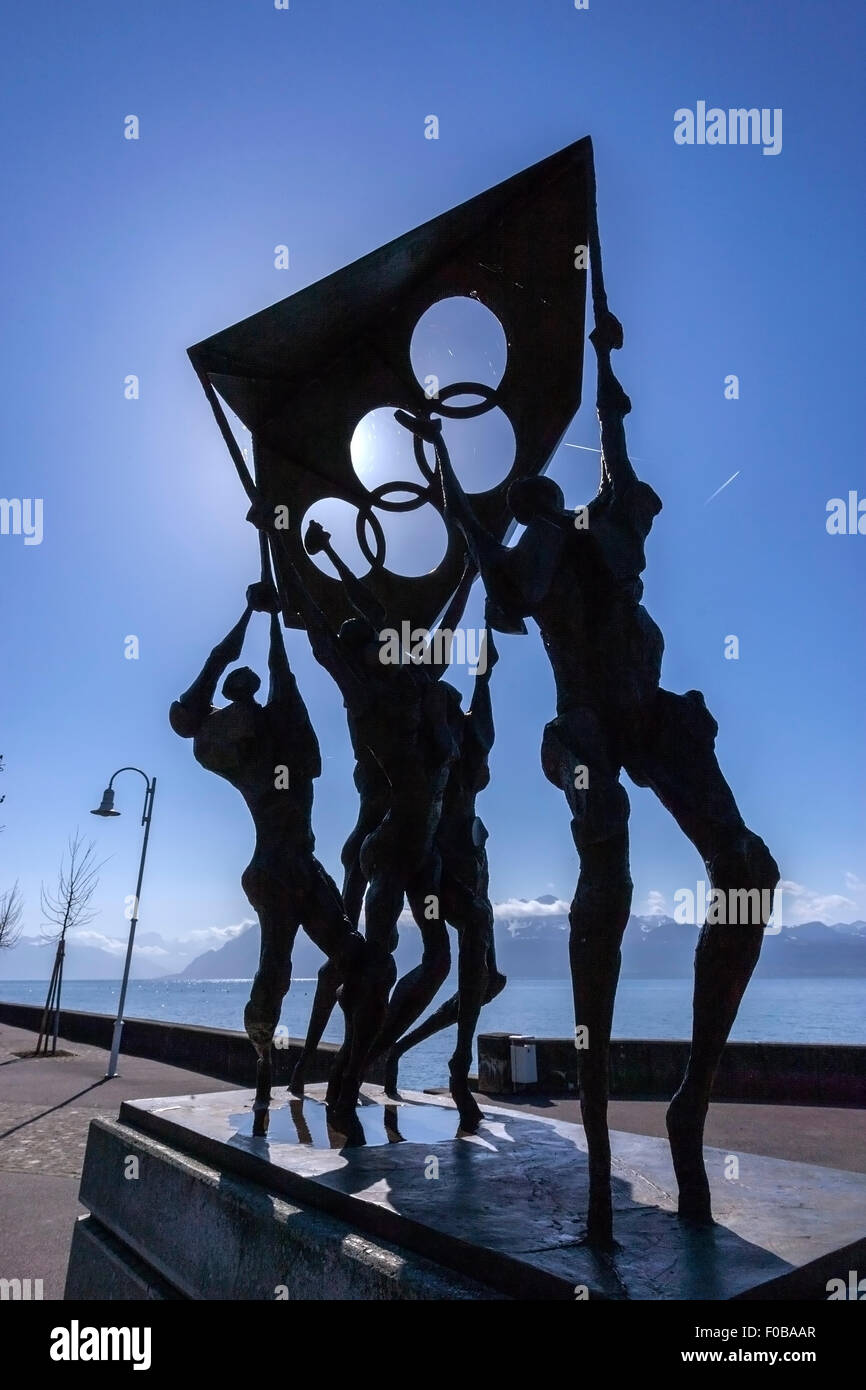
463	897
458	865
271	755
398	712
374	793
578	575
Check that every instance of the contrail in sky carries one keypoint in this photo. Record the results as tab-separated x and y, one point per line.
724	485
587	450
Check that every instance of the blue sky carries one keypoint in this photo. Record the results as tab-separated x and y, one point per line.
305	127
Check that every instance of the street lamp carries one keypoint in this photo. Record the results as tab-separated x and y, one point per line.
106	808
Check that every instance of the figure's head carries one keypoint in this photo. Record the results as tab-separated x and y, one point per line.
360	641
529	498
241	685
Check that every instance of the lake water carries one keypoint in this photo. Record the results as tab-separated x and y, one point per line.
807	1011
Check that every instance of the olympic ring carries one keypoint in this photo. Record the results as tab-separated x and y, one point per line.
363	520
377	498
490	398
420	495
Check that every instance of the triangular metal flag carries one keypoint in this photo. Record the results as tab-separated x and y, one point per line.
302	373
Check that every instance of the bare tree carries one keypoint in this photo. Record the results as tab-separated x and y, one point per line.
11	902
66	907
11	908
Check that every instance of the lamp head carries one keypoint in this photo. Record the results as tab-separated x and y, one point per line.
106	806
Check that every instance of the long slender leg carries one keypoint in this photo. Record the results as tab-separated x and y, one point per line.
326	925
496	981
723	968
354	886
386	860
269	989
471	992
364	995
373	808
416	989
367	977
443	1017
391	859
679	763
364	1001
374	799
367	1009
328	981
324	1003
598	917
478	979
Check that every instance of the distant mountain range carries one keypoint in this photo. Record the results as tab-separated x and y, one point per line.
537	948
530	945
657	947
31	960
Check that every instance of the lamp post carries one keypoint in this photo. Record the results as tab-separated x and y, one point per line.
106	808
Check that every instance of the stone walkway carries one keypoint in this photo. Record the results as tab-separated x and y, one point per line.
46	1105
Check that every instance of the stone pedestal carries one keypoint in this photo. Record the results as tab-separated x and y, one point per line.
186	1203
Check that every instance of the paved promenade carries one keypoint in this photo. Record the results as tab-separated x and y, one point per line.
46	1106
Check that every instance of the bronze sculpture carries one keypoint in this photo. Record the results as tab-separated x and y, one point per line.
301	375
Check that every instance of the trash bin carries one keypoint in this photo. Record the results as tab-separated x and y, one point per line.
524	1068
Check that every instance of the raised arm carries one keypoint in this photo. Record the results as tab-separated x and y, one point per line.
479	716
323	639
362	599
283	685
479	542
192	707
613	405
263	598
448	622
503	569
454	612
286	704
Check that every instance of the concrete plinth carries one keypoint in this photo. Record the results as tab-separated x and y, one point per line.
207	1211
